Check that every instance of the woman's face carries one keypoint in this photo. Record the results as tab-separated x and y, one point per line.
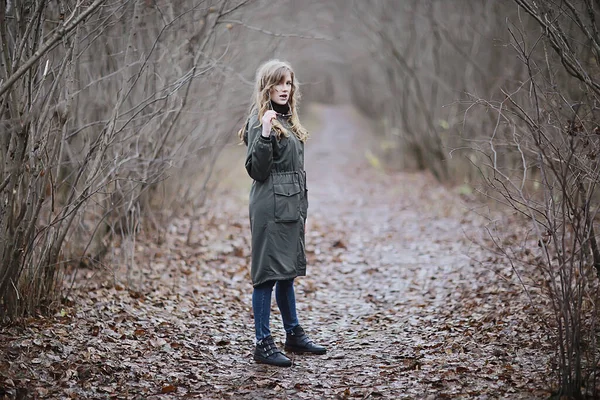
280	93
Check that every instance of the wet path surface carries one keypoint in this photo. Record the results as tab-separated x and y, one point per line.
392	290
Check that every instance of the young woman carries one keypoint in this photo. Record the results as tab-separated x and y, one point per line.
278	206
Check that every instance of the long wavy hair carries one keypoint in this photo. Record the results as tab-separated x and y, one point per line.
268	76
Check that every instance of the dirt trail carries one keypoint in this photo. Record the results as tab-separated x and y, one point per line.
391	290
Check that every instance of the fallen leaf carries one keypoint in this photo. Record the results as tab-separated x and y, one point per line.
168	389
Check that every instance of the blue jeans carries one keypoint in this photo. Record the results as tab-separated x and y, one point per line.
261	304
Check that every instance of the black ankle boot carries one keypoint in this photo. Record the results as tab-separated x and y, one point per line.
298	342
267	353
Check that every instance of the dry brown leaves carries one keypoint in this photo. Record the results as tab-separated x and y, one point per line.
392	291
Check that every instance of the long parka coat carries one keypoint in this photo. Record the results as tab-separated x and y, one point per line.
278	202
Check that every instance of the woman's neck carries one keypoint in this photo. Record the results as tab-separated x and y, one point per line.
280	109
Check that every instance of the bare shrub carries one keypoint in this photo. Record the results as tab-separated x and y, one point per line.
425	56
92	103
550	121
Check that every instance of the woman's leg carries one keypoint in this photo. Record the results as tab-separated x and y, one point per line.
286	301
266	351
261	305
296	339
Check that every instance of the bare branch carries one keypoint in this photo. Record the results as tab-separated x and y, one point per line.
60	33
267	32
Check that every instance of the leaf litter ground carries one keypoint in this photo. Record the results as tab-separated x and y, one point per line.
395	290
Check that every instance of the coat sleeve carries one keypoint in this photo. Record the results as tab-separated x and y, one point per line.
259	158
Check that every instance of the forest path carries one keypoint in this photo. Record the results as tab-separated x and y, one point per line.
391	290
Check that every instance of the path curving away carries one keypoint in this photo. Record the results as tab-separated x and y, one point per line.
392	290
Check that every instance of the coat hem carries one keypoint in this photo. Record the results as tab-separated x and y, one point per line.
277	278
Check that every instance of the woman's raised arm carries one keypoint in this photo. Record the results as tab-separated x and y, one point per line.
259	158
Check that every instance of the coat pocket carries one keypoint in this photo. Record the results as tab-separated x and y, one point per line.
287	201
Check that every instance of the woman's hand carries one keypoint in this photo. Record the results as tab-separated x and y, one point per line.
266	122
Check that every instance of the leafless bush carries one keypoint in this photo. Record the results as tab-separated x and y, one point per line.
550	121
92	99
425	56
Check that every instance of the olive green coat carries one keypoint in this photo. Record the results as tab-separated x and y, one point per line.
278	203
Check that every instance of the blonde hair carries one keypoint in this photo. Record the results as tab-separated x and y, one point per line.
268	76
